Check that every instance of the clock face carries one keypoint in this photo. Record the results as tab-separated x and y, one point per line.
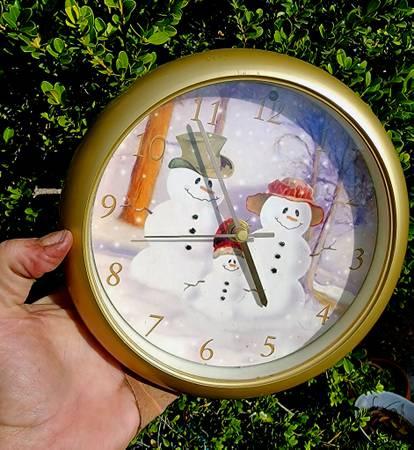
231	227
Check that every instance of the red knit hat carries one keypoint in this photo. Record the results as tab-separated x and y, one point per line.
291	188
226	245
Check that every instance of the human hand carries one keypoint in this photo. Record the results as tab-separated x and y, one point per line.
59	389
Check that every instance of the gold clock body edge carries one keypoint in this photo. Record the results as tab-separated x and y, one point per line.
189	73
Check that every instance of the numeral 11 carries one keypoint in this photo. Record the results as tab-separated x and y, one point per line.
198	101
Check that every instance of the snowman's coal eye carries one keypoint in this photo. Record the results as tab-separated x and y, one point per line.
234	261
210	184
197	180
297	212
285	210
229	261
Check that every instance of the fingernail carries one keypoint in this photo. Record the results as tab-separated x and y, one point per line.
53	238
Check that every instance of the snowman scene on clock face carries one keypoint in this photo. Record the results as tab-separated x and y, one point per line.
234	224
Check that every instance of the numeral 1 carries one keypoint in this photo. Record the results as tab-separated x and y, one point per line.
323	314
198	101
158	319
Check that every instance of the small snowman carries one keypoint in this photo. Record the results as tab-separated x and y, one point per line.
287	210
192	210
219	293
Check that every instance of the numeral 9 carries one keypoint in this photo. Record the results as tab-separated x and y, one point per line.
108	202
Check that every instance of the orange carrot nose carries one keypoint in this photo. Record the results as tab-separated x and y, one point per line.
232	265
209	191
292	218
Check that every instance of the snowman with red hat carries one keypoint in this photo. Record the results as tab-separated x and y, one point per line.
288	210
223	286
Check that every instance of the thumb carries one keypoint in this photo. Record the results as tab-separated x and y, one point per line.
24	260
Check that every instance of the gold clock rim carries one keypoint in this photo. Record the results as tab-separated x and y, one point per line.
160	86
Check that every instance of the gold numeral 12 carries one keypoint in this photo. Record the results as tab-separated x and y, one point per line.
271	119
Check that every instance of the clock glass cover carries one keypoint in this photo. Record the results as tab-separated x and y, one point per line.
231	227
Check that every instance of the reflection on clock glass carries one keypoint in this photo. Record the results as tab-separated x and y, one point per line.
235	223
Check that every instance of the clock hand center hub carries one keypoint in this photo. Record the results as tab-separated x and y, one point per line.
241	231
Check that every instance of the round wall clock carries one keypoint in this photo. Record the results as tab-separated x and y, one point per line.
240	221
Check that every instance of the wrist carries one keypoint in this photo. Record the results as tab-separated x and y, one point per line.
150	401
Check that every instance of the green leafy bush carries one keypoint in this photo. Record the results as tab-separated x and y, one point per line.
61	63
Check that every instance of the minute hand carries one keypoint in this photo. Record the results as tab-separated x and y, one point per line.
244	246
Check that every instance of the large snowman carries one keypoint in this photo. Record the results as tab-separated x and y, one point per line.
287	210
191	211
218	295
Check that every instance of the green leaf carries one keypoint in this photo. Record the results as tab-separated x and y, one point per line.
149	58
58	44
373	6
46	86
99	24
340	57
122	60
110	4
158	38
322	30
348	366
277	37
129	6
8	133
72	10
407	79
12	15
367	78
62	121
51	51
